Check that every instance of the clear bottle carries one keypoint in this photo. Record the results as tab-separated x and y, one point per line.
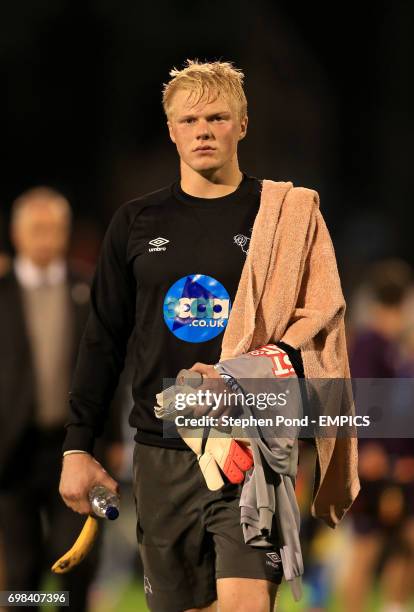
104	502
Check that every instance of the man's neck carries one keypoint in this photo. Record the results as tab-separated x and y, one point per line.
214	184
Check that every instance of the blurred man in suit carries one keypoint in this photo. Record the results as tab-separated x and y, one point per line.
43	309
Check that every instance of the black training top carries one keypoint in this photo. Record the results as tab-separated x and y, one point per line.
170	266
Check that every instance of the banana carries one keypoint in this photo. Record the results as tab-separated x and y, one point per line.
80	548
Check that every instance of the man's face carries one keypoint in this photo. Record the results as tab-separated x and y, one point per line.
41	232
206	134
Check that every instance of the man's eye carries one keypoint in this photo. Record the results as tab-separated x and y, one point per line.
189	120
218	118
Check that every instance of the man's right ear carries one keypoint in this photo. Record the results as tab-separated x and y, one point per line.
171	131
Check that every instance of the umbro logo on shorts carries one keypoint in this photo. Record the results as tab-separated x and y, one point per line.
158	244
274	559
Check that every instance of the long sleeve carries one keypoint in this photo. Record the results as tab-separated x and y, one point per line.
103	346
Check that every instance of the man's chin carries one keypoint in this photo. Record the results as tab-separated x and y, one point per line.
206	166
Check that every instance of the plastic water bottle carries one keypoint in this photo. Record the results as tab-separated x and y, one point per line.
104	502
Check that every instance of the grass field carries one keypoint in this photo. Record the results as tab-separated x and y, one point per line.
131	598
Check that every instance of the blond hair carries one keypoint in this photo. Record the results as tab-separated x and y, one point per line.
207	80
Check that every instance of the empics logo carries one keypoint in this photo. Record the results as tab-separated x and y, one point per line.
157	244
196	308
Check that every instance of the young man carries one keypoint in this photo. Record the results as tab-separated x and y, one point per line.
162	253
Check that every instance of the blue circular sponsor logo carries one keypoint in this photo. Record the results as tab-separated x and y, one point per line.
196	308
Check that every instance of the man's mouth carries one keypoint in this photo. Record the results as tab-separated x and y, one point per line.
207	148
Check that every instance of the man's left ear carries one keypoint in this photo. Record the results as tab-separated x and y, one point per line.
243	127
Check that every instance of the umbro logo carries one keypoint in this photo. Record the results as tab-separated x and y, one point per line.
274	559
158	244
158	241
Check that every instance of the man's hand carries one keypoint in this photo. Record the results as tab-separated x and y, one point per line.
214	383
80	473
208	371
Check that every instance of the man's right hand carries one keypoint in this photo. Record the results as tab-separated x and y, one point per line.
80	473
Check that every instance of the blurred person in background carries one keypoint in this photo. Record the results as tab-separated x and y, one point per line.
383	513
43	310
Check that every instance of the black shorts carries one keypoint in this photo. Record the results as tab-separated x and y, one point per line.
188	536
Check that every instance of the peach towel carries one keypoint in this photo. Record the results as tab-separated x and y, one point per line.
290	290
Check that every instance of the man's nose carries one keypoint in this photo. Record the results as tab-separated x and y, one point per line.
203	130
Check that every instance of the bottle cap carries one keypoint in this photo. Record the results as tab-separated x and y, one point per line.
112	513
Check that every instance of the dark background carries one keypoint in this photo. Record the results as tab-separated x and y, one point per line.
330	99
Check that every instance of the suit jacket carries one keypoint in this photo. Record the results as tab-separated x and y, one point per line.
17	382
